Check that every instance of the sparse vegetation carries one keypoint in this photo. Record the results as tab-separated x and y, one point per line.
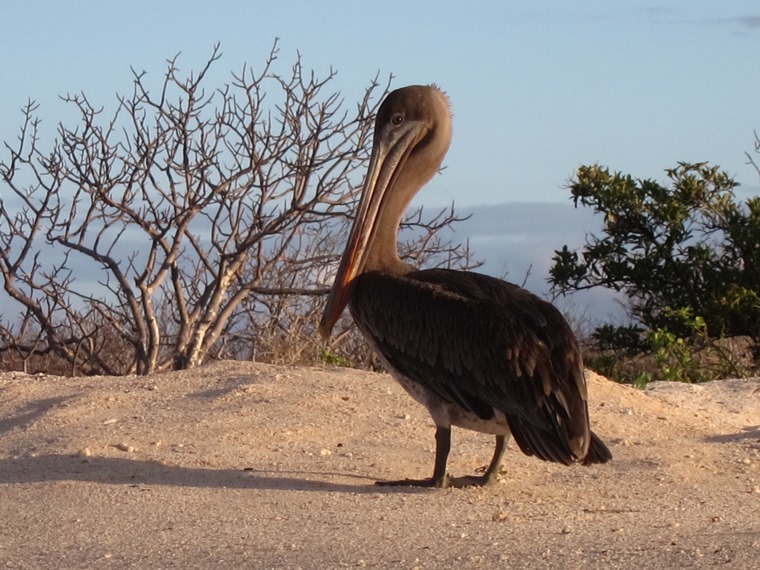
685	256
192	222
195	223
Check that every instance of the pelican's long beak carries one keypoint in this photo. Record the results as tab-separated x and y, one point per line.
389	154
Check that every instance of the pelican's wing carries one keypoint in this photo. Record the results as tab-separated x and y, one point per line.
483	344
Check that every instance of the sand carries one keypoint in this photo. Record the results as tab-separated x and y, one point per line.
243	465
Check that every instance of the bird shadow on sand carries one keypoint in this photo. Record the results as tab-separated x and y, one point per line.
140	472
747	433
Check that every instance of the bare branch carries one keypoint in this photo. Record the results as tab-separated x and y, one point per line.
190	219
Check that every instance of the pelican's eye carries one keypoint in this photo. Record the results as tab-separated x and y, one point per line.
397	119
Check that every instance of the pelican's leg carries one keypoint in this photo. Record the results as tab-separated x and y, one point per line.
439	479
498	454
491	472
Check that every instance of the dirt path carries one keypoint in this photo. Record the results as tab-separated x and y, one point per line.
239	465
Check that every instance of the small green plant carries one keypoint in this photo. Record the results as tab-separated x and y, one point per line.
675	356
642	380
329	357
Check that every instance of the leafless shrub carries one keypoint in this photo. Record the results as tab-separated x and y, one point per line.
189	223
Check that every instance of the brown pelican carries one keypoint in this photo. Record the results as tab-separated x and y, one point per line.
478	352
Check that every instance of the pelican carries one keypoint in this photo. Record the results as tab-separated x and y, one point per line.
478	352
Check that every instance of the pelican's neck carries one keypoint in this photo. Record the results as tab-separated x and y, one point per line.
383	255
419	168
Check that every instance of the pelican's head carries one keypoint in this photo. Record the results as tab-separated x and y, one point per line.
412	135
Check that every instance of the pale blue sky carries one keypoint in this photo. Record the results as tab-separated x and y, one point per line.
538	88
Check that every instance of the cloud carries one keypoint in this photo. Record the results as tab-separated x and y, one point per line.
746	22
669	14
519	239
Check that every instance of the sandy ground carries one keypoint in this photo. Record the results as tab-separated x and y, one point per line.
239	465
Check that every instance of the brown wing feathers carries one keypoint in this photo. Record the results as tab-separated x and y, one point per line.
483	343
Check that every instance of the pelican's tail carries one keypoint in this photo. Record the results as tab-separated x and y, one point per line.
597	451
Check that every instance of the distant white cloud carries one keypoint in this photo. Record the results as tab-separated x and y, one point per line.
750	22
517	241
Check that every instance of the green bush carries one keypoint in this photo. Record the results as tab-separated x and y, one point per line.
685	255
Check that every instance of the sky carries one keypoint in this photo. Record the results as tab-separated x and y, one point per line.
537	88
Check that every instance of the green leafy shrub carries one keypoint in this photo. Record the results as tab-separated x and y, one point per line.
685	255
